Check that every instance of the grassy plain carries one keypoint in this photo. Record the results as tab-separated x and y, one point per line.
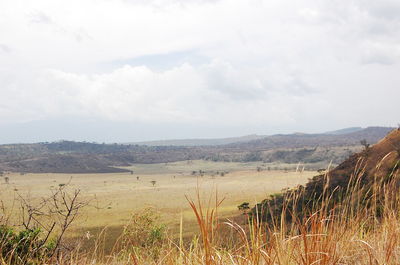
114	197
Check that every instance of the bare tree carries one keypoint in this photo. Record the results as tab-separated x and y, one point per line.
66	207
58	210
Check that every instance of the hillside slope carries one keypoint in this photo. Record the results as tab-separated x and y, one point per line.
371	169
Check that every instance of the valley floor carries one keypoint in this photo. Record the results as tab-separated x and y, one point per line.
114	197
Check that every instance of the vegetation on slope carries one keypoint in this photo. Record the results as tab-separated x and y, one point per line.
366	173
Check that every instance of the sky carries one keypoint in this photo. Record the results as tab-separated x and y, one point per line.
136	70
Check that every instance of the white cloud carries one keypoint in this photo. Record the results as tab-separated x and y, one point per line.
214	93
282	63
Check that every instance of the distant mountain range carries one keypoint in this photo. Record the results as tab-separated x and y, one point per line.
345	131
367	132
297	140
84	157
202	142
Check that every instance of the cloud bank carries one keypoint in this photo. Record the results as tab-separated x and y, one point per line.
267	66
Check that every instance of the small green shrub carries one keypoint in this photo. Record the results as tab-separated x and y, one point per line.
144	229
144	233
23	247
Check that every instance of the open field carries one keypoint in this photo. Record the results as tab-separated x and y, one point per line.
348	216
114	196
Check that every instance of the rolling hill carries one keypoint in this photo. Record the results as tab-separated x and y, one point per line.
84	157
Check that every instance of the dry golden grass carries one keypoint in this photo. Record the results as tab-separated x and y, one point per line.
114	197
350	232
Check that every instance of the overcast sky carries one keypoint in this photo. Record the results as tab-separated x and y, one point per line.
132	70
